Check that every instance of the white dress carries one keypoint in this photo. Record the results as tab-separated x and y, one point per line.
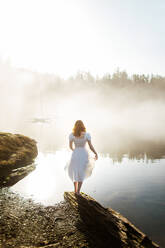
81	164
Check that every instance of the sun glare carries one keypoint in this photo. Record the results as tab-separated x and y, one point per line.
46	182
51	36
49	180
46	35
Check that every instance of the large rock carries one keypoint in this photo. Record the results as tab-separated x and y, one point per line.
17	154
78	222
106	227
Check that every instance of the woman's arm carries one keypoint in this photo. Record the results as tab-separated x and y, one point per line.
71	145
92	149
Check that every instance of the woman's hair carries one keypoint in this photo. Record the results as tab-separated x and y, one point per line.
78	128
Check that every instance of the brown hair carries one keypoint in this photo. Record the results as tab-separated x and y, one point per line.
78	128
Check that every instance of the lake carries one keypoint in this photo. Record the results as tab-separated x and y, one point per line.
131	183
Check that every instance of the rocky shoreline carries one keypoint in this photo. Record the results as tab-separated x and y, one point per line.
17	154
24	223
79	221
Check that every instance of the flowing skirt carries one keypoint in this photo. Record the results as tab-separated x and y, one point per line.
80	165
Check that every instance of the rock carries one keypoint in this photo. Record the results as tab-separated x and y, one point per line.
17	154
77	222
24	223
106	227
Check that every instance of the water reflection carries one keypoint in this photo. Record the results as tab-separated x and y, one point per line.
118	142
135	188
48	182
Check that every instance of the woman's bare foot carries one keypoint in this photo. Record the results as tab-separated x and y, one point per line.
77	193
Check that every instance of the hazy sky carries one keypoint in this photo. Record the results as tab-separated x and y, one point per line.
64	36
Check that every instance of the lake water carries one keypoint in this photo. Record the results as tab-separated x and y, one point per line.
135	187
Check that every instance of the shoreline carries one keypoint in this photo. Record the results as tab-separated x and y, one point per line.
78	221
27	224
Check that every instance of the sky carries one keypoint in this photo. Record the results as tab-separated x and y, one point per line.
99	36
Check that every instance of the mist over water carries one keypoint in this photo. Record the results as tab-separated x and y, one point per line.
124	115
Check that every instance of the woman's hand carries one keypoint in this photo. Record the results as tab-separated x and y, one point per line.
96	156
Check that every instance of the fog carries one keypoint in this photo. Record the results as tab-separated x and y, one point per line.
124	114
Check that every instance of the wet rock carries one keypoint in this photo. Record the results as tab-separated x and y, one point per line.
79	221
17	154
106	227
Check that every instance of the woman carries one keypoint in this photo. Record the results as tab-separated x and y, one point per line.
79	165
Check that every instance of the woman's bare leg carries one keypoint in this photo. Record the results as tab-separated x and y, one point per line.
75	187
79	187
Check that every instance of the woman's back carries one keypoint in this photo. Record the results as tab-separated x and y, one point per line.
80	141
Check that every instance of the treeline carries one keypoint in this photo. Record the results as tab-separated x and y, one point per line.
139	86
118	79
136	87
